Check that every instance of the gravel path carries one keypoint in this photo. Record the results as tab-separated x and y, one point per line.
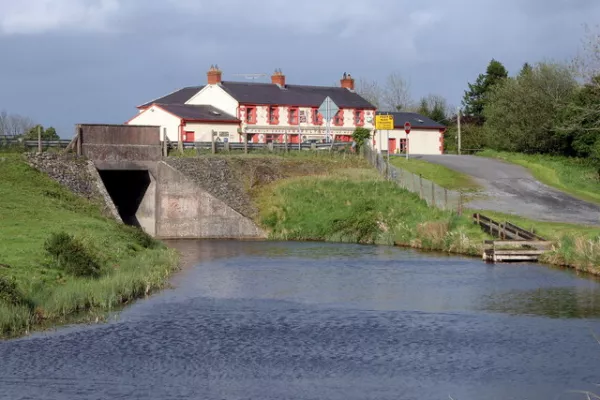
512	189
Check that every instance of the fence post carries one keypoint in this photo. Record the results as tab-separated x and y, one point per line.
445	199
79	138
421	186
212	142
39	132
460	201
433	194
165	144
245	143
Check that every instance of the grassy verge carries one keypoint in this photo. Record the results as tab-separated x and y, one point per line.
576	246
445	177
576	176
36	288
356	205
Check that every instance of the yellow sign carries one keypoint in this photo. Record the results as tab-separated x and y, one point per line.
384	122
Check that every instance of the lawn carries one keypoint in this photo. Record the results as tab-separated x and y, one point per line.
443	176
32	208
576	176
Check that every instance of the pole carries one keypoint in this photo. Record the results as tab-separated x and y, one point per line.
39	132
407	146
212	141
245	142
458	123
165	144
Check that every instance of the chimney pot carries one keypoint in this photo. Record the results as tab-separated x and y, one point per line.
347	81
278	78
214	74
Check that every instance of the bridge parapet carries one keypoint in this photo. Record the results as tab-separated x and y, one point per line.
118	143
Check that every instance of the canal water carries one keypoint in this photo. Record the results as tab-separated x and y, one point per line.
273	321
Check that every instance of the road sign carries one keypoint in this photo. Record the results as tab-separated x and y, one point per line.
384	122
328	109
407	127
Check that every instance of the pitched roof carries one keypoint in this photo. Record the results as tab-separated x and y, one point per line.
416	120
179	96
300	95
198	113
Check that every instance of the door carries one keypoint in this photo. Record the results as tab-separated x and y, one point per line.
392	146
189	137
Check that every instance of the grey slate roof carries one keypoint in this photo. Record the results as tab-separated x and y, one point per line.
300	95
198	113
177	97
269	93
416	120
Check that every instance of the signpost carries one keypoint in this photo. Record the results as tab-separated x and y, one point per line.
384	123
407	130
328	110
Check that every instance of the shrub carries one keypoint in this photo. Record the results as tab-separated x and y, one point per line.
10	293
72	256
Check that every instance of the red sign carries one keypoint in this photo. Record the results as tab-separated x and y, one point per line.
407	127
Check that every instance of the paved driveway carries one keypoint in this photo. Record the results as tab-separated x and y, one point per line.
512	189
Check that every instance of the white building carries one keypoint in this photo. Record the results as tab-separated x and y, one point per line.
426	136
266	112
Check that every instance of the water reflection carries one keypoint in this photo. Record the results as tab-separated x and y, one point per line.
558	302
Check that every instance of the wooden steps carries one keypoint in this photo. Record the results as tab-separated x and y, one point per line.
515	244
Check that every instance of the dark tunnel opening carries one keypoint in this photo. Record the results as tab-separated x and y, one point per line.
127	189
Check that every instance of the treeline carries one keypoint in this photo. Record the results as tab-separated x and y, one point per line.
545	108
21	127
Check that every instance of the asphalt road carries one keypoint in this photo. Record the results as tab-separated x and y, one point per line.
512	189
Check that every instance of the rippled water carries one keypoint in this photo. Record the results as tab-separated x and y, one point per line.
250	320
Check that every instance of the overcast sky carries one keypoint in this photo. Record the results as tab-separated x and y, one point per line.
69	61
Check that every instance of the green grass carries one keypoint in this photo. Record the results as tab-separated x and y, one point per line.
356	205
443	176
32	206
576	176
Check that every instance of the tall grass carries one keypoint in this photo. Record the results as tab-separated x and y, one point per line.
356	205
33	208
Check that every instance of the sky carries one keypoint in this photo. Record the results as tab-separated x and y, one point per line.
64	62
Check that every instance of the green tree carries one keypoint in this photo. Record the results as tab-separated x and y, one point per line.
475	98
360	135
521	112
434	107
47	134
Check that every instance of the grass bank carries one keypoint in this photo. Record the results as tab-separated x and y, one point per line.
38	285
576	176
356	205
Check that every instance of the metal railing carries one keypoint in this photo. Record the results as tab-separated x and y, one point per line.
6	141
434	194
232	146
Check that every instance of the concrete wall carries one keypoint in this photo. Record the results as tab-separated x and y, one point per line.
146	213
120	142
185	210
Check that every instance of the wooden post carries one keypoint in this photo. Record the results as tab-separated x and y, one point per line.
433	194
79	140
420	186
212	141
165	143
445	199
245	143
460	200
180	142
39	132
286	142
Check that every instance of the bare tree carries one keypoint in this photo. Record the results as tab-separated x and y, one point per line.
396	93
14	124
370	90
587	62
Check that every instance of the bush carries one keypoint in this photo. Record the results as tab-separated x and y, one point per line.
10	293
72	256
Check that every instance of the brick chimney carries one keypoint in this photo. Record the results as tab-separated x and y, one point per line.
347	81
214	75
278	78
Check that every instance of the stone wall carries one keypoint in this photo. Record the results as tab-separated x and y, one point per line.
77	174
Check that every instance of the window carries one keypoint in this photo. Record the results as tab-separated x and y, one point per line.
338	120
273	115
293	115
359	117
402	145
251	115
317	118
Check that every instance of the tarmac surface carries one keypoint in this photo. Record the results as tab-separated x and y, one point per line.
510	188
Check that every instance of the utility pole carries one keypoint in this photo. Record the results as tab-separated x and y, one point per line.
458	123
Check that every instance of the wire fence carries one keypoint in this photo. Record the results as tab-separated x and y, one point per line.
432	193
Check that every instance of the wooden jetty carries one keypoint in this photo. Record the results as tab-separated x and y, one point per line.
514	244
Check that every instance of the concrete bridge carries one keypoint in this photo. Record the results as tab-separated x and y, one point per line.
148	192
